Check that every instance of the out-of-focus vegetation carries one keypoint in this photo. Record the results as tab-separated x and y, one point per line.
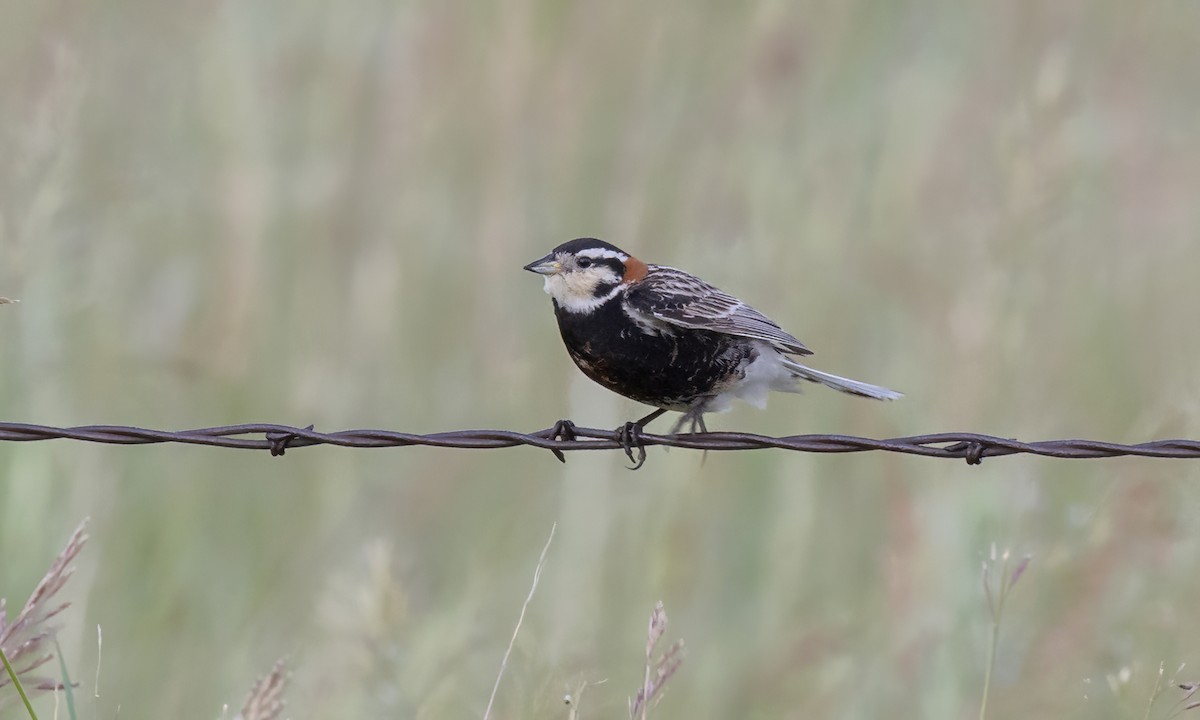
317	213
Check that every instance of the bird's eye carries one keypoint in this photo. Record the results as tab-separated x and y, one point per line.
584	262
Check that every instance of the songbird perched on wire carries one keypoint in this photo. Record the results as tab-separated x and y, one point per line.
668	339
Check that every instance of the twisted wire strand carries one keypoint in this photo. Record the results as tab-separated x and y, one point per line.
972	447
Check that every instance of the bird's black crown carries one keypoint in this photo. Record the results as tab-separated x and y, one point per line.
574	246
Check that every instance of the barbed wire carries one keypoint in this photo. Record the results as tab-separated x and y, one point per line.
971	447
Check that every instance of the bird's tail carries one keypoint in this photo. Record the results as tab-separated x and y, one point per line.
841	384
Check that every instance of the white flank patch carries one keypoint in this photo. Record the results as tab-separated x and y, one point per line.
766	373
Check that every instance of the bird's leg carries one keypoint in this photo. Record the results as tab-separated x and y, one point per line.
696	416
629	436
562	430
693	417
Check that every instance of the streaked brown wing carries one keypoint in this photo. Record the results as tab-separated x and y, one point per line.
682	299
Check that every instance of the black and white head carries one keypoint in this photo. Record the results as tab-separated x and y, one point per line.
583	274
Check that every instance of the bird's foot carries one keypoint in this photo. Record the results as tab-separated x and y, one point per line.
693	419
629	436
699	426
562	430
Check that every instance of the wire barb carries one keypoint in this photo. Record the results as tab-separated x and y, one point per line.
276	439
279	441
972	451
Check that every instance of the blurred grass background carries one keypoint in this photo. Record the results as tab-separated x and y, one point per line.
306	212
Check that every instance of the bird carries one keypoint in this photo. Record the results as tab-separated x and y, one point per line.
667	339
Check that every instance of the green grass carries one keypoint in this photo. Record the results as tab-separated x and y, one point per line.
68	688
307	213
16	683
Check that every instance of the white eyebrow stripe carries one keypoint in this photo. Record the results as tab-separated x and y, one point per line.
601	253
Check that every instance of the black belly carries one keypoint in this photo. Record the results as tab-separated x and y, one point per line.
668	371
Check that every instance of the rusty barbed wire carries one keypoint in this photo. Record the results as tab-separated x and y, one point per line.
971	447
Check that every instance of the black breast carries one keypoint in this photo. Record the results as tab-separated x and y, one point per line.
667	370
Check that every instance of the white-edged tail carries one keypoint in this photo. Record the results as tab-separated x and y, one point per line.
841	384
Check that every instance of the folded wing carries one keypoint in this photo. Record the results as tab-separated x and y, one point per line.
679	298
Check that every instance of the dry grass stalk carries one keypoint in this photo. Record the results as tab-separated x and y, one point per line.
1189	689
1180	706
265	701
656	673
573	700
28	639
996	601
537	574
